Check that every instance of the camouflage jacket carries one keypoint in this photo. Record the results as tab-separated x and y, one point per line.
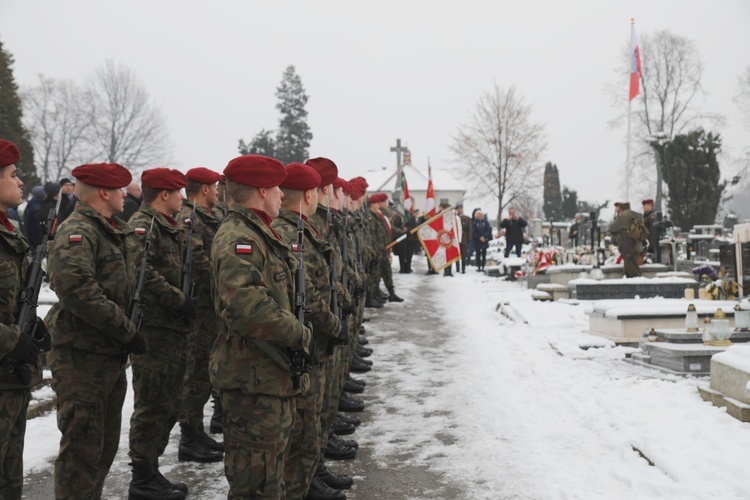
162	292
381	235
204	230
93	268
355	275
319	220
253	295
316	257
14	264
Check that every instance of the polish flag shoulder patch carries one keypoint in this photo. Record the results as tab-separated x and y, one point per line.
243	249
296	247
75	238
187	222
140	230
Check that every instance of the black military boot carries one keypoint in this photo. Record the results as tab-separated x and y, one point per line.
392	297
336	481
208	441
192	448
353	388
342	428
350	404
362	340
371	302
175	486
147	485
349	443
358	365
349	419
381	294
362	329
336	451
363	352
356	381
362	360
321	491
216	425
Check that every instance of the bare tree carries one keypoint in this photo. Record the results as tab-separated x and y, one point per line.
60	117
670	86
129	129
500	149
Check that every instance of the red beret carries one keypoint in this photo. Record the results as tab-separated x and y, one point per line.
103	175
647	201
222	179
300	177
203	175
256	171
164	178
362	182
357	188
377	198
339	183
9	153
326	168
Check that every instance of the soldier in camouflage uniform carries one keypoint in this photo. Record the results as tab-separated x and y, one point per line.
92	266
158	374
301	197
14	394
195	445
250	362
332	447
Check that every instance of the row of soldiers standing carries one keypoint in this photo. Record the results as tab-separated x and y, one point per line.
281	374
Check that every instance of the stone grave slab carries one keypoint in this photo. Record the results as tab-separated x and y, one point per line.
624	321
629	288
555	291
681	359
730	381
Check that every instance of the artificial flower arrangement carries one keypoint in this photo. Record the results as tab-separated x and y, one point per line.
715	285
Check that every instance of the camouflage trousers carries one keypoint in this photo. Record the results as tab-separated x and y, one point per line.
13	406
196	385
385	269
90	392
630	266
157	387
304	452
257	439
331	395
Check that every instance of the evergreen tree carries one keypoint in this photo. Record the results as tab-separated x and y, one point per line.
691	171
569	203
11	126
262	144
293	136
552	197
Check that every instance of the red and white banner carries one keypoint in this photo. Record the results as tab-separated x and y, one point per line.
635	63
408	201
440	239
429	210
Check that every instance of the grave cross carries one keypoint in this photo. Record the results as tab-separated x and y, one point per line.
398	149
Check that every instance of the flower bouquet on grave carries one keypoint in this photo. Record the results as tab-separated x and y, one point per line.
720	288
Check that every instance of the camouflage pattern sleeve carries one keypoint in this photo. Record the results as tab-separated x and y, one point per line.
248	308
73	277
317	308
8	338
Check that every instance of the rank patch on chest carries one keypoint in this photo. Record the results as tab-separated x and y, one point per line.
140	230
246	249
75	238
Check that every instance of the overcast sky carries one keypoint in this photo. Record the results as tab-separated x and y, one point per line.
378	71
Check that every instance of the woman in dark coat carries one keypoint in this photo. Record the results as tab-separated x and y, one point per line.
480	237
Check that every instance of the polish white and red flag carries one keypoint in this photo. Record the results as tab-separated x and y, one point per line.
440	239
408	201
635	63
429	210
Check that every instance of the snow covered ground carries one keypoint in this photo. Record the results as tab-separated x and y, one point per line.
498	408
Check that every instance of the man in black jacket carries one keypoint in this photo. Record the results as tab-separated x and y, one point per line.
133	200
513	226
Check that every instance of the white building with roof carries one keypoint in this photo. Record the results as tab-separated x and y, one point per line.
448	189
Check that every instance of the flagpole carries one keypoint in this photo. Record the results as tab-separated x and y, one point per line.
627	160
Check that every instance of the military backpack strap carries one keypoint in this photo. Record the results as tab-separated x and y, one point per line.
274	353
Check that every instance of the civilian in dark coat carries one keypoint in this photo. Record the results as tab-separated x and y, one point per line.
32	221
68	200
133	200
481	234
513	226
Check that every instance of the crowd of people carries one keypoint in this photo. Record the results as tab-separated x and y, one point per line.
249	289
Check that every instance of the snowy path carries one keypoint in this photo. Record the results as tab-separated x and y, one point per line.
465	403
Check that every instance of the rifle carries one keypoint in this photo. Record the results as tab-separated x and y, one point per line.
300	363
134	312
188	285
224	208
27	319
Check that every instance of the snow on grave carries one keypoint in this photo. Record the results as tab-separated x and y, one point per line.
730	382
